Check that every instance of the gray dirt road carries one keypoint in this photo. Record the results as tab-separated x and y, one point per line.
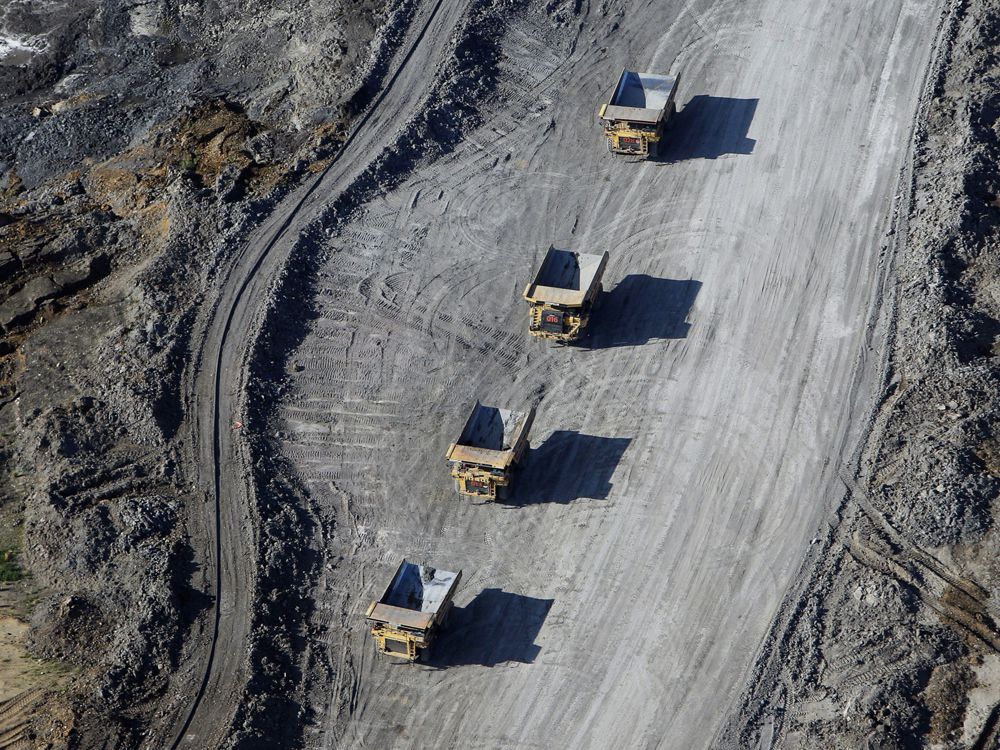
681	463
213	680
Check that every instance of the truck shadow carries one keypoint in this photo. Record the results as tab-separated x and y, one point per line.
709	127
641	308
191	601
568	466
495	627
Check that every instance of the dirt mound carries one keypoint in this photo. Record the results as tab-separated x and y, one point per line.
138	146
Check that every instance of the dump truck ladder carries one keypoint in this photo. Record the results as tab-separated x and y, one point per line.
638	112
563	292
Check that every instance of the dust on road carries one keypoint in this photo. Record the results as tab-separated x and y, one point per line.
681	464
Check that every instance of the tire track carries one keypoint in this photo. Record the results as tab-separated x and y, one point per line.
221	693
726	477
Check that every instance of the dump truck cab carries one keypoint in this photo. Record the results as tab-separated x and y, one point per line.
638	111
562	294
411	609
483	459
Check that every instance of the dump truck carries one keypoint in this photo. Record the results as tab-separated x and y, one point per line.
483	459
411	609
563	292
638	112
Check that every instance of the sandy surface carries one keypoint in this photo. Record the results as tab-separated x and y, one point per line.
18	671
682	461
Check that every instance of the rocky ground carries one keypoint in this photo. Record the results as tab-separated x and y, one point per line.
895	642
138	143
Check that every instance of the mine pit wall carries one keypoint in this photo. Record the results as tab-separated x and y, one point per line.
104	267
895	641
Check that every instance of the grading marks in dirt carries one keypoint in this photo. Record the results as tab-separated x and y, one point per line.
719	397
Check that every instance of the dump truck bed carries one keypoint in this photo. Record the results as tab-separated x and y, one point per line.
491	435
415	596
566	278
640	97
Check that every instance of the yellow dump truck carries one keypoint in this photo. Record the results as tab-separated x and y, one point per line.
563	292
411	609
638	112
492	442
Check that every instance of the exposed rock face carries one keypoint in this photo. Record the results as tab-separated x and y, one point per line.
138	144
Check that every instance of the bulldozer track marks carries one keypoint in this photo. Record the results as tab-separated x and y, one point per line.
967	616
868	663
258	264
15	719
921	557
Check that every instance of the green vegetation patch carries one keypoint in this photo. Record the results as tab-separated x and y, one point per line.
9	569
